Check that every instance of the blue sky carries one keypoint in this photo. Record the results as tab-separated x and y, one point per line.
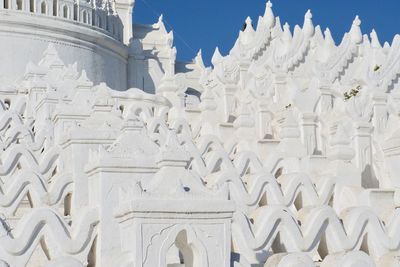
206	24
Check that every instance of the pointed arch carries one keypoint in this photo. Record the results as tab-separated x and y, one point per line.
194	253
55	7
76	11
84	16
65	11
32	6
43	8
20	4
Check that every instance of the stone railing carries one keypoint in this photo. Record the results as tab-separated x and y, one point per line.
85	12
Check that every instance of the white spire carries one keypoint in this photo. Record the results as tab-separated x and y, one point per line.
318	34
308	27
217	57
160	24
287	35
249	25
355	31
375	40
328	38
247	35
277	30
269	17
198	60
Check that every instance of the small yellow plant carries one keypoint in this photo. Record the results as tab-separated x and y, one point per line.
353	92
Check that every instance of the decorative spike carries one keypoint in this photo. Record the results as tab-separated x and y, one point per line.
366	41
249	24
217	57
318	34
396	39
269	17
287	35
375	40
386	47
83	76
328	38
199	60
308	26
160	24
277	30
355	31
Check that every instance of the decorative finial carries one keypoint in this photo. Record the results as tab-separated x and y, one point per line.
308	14
375	40
269	17
308	27
199	60
386	46
83	82
328	38
286	27
277	30
357	21
355	31
83	76
248	21
217	57
287	35
160	24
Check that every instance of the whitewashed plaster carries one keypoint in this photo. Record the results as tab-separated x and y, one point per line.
284	153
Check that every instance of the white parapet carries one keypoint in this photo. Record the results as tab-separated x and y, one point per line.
285	153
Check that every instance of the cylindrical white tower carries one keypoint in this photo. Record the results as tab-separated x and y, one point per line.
87	33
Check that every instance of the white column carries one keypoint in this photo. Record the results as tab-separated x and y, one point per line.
308	124
124	9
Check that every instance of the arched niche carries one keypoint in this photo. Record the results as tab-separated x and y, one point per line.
65	11
43	8
182	248
180	253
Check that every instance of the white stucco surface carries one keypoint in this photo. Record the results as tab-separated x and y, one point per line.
284	153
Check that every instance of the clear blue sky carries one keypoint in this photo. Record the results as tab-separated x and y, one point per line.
206	24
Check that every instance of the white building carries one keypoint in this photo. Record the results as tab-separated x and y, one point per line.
285	153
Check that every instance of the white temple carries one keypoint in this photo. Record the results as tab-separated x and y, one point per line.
285	153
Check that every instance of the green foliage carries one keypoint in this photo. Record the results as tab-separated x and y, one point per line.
353	92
